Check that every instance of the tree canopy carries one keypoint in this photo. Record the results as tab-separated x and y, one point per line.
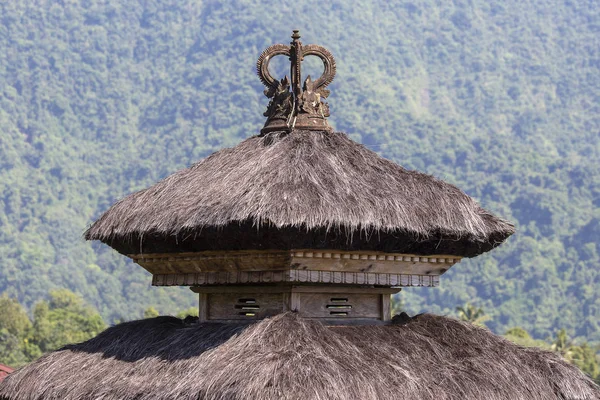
62	319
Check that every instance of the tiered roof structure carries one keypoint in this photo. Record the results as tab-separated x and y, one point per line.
299	218
294	240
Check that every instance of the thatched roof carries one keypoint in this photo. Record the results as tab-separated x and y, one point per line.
300	190
288	357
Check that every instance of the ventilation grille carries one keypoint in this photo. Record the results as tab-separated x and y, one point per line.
339	307
247	307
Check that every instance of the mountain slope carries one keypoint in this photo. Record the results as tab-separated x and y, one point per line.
101	98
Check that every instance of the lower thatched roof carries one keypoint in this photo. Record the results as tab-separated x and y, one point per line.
288	357
304	185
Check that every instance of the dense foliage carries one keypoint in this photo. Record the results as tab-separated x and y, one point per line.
502	98
63	319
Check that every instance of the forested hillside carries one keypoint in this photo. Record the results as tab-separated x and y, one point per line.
502	98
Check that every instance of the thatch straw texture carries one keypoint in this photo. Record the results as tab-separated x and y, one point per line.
289	184
288	357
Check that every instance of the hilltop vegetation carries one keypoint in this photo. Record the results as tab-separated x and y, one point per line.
502	98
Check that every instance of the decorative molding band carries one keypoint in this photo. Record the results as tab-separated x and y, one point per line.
374	256
363	278
294	276
283	254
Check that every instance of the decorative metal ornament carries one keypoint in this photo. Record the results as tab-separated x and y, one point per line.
294	105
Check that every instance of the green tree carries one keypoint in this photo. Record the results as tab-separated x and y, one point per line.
151	312
584	356
11	349
587	359
562	344
64	319
472	314
13	317
16	347
521	337
193	311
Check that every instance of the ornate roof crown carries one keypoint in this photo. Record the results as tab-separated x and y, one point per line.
301	108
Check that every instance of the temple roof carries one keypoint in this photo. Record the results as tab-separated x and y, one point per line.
300	189
299	185
289	357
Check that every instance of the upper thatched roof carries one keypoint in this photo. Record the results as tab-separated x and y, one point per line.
321	182
288	357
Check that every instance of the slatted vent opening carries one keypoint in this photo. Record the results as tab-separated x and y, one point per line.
339	307
247	307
